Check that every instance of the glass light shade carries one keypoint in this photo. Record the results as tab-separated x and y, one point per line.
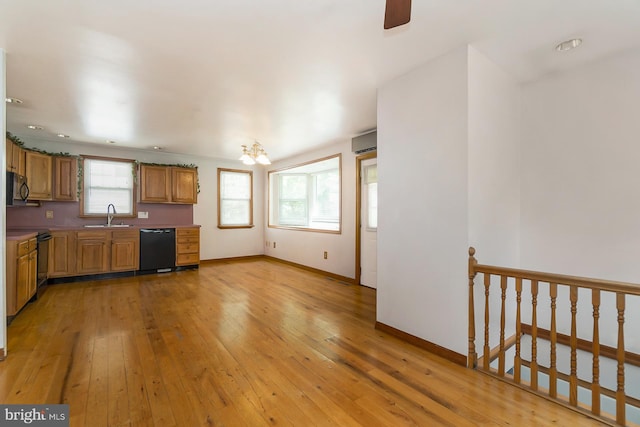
263	159
248	160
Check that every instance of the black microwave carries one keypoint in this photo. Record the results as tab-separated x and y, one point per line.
17	189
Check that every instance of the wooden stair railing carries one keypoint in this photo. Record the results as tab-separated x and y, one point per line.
555	338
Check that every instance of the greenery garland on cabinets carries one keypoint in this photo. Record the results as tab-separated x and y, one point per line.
11	137
175	165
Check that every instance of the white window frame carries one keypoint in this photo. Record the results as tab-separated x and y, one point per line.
222	198
85	194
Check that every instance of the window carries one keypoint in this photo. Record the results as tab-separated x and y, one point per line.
107	181
307	196
371	182
235	198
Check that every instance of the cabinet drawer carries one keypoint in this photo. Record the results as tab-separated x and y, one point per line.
188	248
125	234
187	232
92	235
27	246
193	239
186	259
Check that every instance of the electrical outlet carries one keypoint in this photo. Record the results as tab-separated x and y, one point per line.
143	214
274	245
325	254
49	214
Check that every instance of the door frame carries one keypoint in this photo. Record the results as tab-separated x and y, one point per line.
359	160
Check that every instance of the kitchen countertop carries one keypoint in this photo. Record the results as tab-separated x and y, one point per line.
27	233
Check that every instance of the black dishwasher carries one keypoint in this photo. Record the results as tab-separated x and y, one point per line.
157	249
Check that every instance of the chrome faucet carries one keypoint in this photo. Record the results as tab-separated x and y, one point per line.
109	214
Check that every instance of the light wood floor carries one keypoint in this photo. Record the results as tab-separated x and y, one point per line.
244	343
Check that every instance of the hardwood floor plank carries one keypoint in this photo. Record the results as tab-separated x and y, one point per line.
242	343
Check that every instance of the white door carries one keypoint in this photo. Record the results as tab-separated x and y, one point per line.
369	221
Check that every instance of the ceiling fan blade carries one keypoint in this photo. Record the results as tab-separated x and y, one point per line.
397	12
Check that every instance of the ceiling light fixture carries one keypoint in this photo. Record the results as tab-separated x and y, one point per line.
62	135
155	147
109	141
568	45
254	154
35	127
13	101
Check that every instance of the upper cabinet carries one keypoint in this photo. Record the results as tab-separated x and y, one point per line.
184	185
168	184
39	175
65	178
15	156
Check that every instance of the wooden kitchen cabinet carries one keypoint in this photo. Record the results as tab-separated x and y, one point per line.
21	273
125	250
38	170
184	185
92	254
65	178
62	254
168	184
155	184
187	246
15	156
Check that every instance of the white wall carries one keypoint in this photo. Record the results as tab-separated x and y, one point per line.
307	247
580	211
494	182
214	243
494	170
3	220
423	222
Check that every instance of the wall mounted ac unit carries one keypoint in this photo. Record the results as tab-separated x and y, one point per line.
364	143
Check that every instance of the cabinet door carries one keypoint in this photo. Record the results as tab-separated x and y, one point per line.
22	281
32	279
92	255
9	155
155	184
65	182
62	254
39	175
184	185
124	255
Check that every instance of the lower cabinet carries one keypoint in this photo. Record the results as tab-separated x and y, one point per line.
125	250
22	271
76	253
187	246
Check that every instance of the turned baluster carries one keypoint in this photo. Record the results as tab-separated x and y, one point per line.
620	396
534	335
553	370
473	357
573	378
595	384
503	287
487	350
517	360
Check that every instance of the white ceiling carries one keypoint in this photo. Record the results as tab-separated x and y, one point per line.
203	77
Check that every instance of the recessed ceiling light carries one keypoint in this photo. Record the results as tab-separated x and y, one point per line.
35	127
568	45
62	135
13	101
155	147
109	141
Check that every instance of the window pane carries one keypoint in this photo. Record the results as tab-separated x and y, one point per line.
235	185
372	194
293	212
326	203
293	186
105	182
234	212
